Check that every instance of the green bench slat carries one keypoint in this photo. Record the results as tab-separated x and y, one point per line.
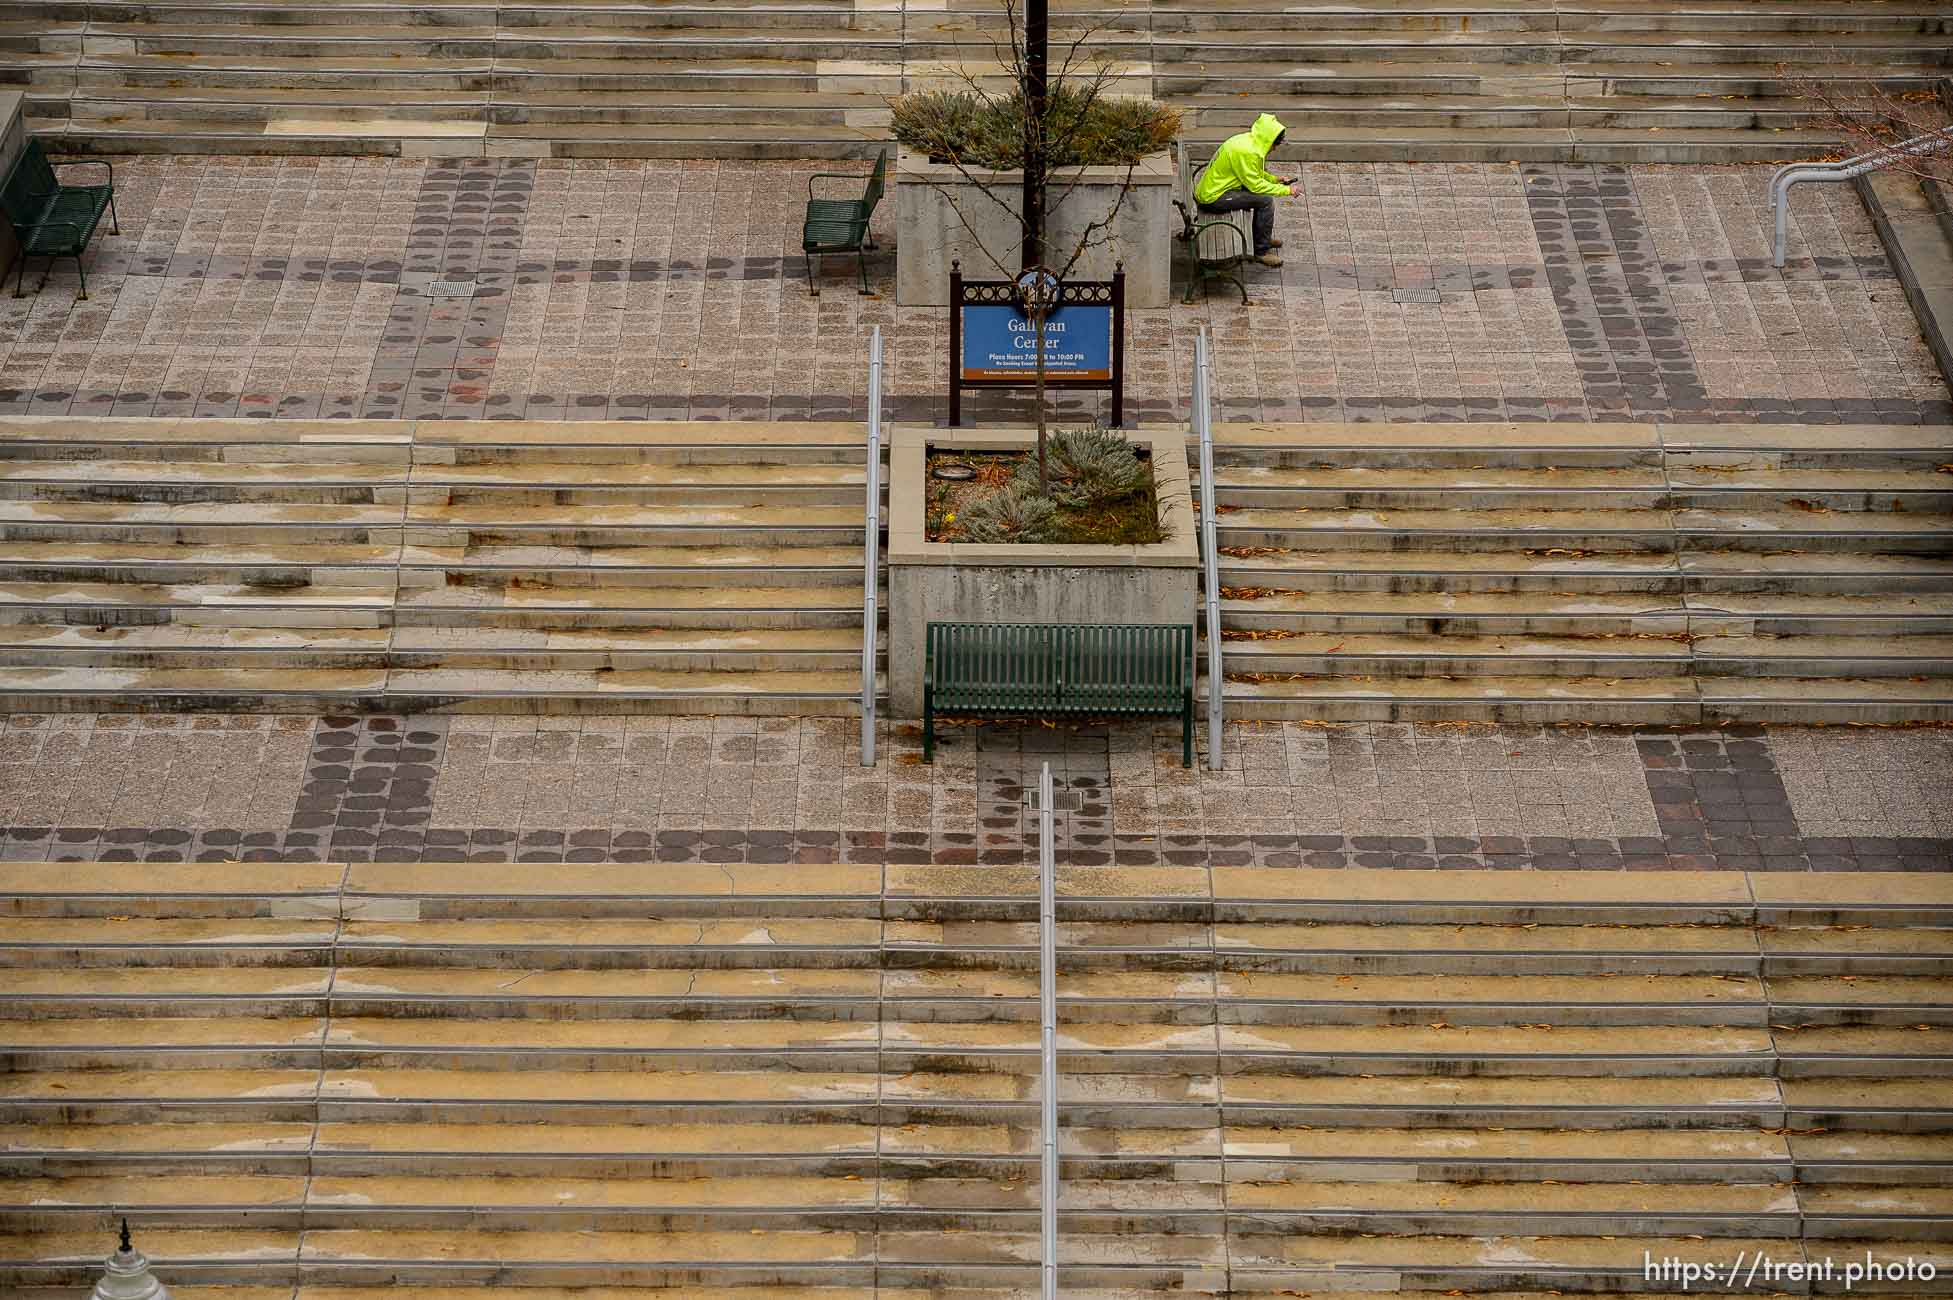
1123	670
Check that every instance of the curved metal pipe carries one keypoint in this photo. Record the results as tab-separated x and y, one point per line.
1849	169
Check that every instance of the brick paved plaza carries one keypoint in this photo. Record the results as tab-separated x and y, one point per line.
202	787
327	287
306	287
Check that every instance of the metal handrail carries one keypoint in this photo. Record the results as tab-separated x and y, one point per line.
1203	418
1048	1031
1849	169
870	580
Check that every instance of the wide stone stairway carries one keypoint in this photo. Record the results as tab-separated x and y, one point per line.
1587	572
1587	80
302	566
1631	573
822	1082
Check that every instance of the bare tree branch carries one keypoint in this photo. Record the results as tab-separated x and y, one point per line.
1871	117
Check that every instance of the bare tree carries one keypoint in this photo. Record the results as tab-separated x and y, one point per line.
1043	124
1871	117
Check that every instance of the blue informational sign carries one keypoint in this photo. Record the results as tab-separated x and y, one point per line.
999	342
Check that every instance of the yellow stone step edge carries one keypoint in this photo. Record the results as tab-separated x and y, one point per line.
1662	437
443	433
357	886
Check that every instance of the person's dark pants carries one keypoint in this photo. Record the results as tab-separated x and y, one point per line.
1263	206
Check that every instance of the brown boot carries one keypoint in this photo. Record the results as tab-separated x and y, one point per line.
1270	259
1274	243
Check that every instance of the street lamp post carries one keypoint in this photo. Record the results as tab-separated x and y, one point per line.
127	1276
1037	37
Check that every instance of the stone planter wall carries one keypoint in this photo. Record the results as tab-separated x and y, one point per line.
13	142
930	234
961	582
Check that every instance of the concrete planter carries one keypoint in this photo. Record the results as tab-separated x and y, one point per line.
930	233
962	582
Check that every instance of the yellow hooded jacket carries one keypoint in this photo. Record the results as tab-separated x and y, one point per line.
1239	165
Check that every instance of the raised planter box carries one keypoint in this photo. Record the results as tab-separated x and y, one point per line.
930	233
964	582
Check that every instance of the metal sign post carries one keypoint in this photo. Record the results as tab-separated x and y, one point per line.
992	340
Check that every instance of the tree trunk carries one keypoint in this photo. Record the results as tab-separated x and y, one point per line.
1044	481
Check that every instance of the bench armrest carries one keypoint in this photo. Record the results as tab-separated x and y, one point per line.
1186	219
43	225
87	162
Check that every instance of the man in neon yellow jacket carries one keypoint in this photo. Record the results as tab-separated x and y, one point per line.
1238	178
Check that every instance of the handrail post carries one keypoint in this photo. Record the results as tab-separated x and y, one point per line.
1048	1031
871	578
1849	169
1203	416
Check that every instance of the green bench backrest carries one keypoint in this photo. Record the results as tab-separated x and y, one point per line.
1104	667
873	194
30	186
994	665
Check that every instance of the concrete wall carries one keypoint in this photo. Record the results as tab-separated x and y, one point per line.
943	581
1905	213
940	217
13	139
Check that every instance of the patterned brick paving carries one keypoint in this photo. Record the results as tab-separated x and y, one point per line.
178	788
622	289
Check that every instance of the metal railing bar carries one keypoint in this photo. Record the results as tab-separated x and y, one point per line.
1849	169
1048	1030
870	579
1209	543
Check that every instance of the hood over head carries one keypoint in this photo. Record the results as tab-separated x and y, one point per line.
1264	131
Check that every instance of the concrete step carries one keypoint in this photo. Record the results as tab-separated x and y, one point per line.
1203	85
186	481
415	690
1599	530
1824	17
1343	107
274	567
779	607
1680	486
294	645
1609	613
1743	42
776	1075
772	648
1615	655
1636	83
1670	700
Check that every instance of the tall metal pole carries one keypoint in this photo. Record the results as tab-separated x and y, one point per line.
1210	553
1048	1033
1037	39
871	551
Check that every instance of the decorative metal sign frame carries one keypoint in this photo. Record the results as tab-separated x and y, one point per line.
1004	293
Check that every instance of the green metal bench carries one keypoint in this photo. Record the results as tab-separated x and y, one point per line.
1218	243
840	225
51	219
1093	670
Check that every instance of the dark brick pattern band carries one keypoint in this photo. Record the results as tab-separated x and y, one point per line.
368	796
